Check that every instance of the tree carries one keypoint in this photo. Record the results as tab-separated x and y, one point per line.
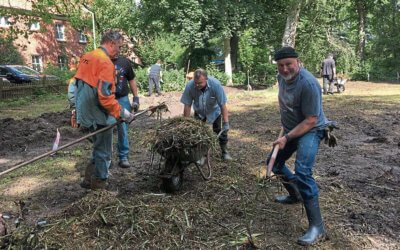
289	36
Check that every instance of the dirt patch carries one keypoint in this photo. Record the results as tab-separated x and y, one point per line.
359	185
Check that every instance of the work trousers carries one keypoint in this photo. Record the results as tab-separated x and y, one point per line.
328	84
102	151
307	149
122	128
154	81
217	126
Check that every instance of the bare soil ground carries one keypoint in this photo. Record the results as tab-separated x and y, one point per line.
359	183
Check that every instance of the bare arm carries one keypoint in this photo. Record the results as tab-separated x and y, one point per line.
302	128
133	86
186	110
224	111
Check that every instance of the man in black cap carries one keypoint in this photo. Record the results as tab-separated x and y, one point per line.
303	121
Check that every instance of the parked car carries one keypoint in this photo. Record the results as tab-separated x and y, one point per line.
22	74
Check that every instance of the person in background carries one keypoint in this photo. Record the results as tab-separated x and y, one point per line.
328	73
97	107
208	98
155	75
125	75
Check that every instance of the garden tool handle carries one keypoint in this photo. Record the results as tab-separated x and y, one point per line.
273	156
220	133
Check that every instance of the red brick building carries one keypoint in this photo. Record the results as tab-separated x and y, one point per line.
41	43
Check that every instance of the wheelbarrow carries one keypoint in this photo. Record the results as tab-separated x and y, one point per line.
176	160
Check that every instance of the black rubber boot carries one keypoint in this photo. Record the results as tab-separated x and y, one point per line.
294	194
316	228
225	154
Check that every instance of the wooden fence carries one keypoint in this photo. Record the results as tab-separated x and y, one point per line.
10	90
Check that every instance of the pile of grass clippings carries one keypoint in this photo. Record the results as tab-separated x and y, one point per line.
182	133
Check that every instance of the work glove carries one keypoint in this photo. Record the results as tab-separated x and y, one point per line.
127	116
74	123
225	126
135	103
330	139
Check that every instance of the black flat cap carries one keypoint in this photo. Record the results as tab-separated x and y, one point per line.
285	52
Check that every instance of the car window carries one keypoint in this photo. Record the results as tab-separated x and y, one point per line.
3	71
26	70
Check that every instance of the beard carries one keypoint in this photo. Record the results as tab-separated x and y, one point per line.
290	76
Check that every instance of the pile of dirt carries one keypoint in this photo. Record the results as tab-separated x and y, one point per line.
30	133
180	133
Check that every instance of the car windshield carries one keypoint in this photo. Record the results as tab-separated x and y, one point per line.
25	70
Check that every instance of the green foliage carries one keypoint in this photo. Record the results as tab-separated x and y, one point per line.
9	53
212	70
166	47
173	80
62	74
239	78
142	80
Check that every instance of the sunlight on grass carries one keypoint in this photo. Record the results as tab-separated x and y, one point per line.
32	106
48	170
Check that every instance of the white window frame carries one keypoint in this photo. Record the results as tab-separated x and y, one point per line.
82	37
4	22
62	64
37	63
60	32
35	26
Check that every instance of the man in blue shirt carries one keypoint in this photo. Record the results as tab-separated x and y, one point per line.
304	122
209	104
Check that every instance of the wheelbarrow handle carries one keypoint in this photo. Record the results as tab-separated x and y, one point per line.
220	132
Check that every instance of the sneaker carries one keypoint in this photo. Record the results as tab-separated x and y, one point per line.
124	164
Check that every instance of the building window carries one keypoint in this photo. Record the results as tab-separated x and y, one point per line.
4	22
35	26
62	62
82	37
60	36
37	63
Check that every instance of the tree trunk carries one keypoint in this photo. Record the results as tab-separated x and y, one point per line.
289	36
362	16
228	62
234	51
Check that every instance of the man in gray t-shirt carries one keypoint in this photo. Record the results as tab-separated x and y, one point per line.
155	75
304	122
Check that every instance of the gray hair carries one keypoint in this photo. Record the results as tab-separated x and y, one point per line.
200	72
110	36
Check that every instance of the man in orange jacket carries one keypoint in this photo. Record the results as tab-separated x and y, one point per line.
96	105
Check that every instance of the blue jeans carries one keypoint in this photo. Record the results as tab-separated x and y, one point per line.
123	140
307	149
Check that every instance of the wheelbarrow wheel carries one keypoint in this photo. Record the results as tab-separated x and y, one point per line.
172	177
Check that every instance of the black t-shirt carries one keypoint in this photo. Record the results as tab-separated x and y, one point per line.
123	74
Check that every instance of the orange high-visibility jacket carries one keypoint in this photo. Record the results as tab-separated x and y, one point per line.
97	70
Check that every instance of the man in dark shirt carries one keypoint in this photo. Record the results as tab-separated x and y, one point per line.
155	75
328	73
125	74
